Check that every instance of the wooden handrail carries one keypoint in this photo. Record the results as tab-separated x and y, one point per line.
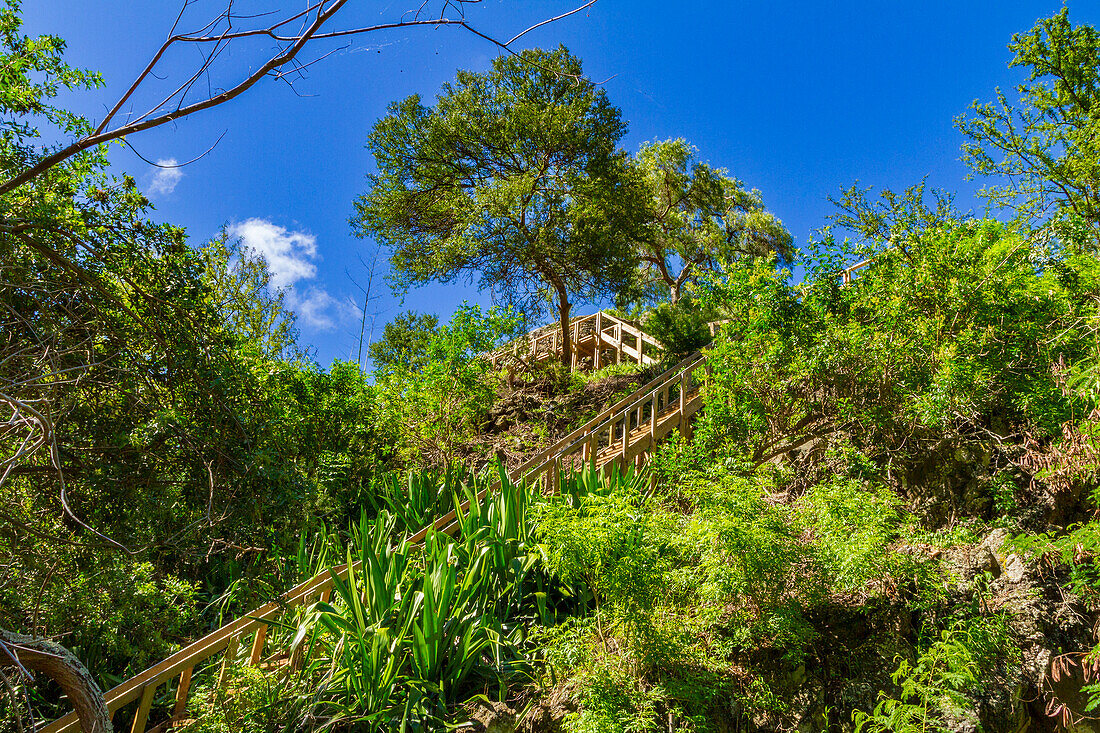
182	663
666	380
544	341
848	273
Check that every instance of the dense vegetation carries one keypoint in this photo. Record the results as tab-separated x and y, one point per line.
884	519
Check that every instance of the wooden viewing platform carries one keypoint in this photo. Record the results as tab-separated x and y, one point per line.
598	340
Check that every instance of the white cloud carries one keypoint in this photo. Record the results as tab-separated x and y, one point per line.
291	257
165	179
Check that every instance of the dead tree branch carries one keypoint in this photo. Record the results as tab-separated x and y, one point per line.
313	22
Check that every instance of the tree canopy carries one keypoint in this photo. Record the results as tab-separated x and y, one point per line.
1047	147
404	343
514	178
700	220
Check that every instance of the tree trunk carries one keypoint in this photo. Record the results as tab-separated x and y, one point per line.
62	666
674	293
564	306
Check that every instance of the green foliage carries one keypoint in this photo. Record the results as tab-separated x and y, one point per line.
404	344
681	327
893	220
578	380
1046	145
34	73
925	343
251	702
611	546
411	628
123	611
438	404
613	702
514	177
938	690
175	449
701	222
749	551
852	526
239	284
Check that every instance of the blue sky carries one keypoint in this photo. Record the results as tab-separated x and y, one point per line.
797	99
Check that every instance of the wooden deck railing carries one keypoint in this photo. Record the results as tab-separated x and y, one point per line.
849	273
600	337
621	433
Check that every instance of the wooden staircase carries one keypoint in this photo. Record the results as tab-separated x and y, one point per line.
621	435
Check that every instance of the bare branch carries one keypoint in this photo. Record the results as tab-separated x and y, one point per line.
522	33
313	18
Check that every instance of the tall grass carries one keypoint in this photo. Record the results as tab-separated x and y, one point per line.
414	631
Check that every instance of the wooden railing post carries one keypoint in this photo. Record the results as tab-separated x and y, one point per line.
141	717
683	401
227	659
258	645
599	336
653	421
626	435
181	693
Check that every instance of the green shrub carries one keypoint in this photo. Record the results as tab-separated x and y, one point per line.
939	689
852	526
681	328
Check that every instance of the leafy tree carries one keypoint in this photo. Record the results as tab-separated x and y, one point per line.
702	220
1048	147
681	328
439	400
141	402
896	220
404	343
240	286
514	177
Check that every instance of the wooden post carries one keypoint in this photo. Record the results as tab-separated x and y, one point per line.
574	333
626	436
181	693
141	717
227	659
653	422
683	401
599	335
258	645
